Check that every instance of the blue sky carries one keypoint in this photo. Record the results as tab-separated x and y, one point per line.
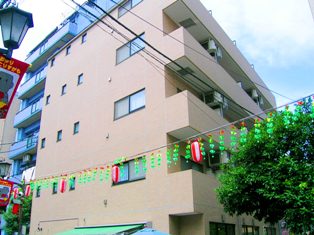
276	36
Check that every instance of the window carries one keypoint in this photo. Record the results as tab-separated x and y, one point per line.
43	143
84	37
59	136
129	104
80	79
47	99
38	191
76	128
130	49
72	183
68	50
250	230
221	229
54	187
132	170
64	89
52	62
128	5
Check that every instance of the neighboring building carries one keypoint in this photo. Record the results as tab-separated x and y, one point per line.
31	91
311	2
102	100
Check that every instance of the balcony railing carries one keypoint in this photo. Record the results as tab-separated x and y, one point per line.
23	147
28	115
61	35
33	85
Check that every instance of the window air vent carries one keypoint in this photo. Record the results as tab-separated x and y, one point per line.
185	71
187	23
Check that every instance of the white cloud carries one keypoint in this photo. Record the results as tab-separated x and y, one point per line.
275	33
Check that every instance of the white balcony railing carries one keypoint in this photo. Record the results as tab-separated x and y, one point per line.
28	114
33	82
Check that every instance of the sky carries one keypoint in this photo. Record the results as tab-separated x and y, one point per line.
277	37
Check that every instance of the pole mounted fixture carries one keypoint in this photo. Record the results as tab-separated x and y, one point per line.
14	26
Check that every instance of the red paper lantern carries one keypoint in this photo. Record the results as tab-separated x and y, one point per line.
196	151
15	209
63	185
115	173
27	191
15	193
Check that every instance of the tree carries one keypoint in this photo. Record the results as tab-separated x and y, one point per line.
271	176
12	220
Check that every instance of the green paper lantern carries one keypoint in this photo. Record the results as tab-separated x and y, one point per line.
175	155
169	157
152	161
243	133
211	143
233	138
221	140
144	163
188	151
159	159
257	129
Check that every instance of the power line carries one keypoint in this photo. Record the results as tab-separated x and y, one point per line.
155	49
154	57
198	52
177	142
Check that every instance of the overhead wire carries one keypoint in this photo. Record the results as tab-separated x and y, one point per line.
149	54
161	53
156	50
141	154
198	52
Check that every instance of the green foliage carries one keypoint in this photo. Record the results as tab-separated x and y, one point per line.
272	177
12	221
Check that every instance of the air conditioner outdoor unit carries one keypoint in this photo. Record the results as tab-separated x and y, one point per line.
27	158
254	94
212	49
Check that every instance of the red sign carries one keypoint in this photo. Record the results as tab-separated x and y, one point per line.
115	174
5	192
11	73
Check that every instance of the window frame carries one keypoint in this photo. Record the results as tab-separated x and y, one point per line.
245	227
76	128
225	227
68	50
54	187
48	99
59	135
129	46
38	191
130	179
72	183
129	104
64	89
122	7
84	38
80	79
43	143
52	62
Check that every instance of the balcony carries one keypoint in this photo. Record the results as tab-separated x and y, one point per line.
33	85
201	26
26	146
194	194
207	74
187	116
57	39
28	115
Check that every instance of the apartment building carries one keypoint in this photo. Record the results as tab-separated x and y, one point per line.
105	97
23	152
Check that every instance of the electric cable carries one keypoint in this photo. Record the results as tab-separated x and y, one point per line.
172	143
156	50
198	52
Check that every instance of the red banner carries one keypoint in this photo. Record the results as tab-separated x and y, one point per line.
11	73
5	192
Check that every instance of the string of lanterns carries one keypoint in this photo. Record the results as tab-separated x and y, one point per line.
195	150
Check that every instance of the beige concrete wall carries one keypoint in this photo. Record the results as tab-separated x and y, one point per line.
164	191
